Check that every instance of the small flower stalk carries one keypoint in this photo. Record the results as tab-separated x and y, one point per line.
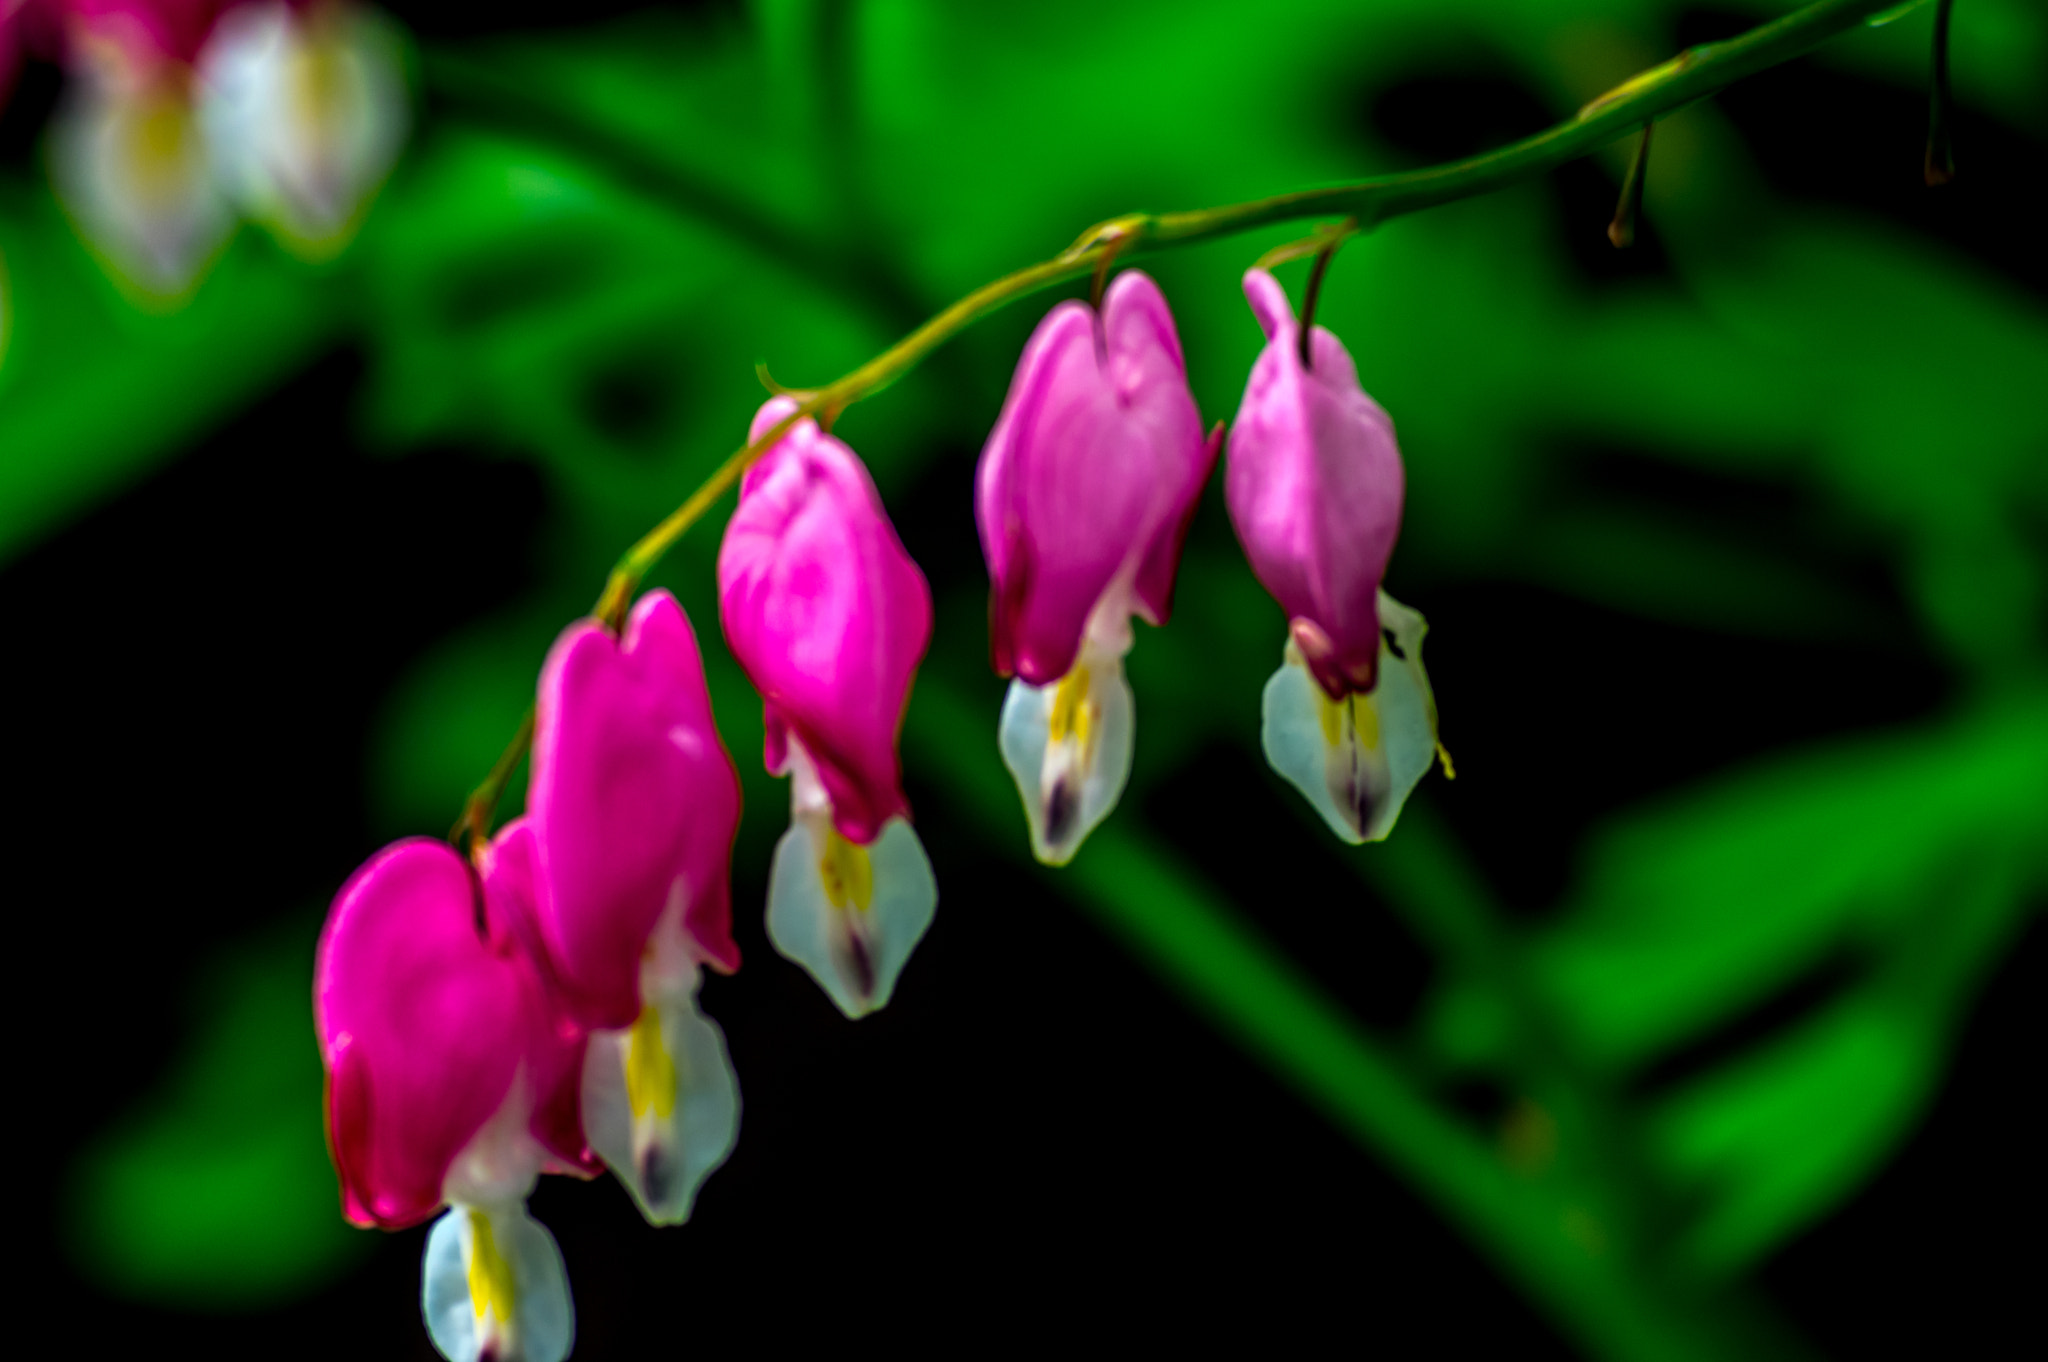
1083	497
829	617
1314	486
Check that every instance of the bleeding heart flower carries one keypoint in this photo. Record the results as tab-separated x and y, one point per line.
445	1063
632	808
829	616
1083	497
1314	487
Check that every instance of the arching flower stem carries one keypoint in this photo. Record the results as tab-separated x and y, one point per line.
1694	74
472	831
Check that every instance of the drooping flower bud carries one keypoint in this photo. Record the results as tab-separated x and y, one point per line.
633	804
1082	497
632	810
445	1076
829	617
1314	486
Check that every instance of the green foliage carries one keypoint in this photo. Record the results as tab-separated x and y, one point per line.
214	1191
580	264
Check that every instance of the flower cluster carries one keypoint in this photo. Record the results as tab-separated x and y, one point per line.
532	1007
1083	497
182	115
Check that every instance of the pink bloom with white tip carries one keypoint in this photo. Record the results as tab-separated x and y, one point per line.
1082	497
631	813
633	803
829	617
1314	486
444	1067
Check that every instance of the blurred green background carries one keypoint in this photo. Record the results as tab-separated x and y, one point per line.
1733	547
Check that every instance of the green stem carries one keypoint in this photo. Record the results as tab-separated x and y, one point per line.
1310	295
1692	75
1941	159
475	823
1622	231
532	113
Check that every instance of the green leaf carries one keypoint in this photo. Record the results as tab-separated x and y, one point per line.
1782	1135
1687	914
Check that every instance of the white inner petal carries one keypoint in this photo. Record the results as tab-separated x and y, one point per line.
849	914
1407	710
661	1103
1356	760
502	1160
493	1285
1068	746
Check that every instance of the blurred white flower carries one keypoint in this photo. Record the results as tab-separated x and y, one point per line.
131	167
304	110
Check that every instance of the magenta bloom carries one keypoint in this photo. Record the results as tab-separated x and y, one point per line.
828	616
633	805
1089	478
1083	497
1314	488
451	1079
631	813
433	1023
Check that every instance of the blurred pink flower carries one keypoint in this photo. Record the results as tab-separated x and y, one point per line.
1083	497
147	31
829	618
